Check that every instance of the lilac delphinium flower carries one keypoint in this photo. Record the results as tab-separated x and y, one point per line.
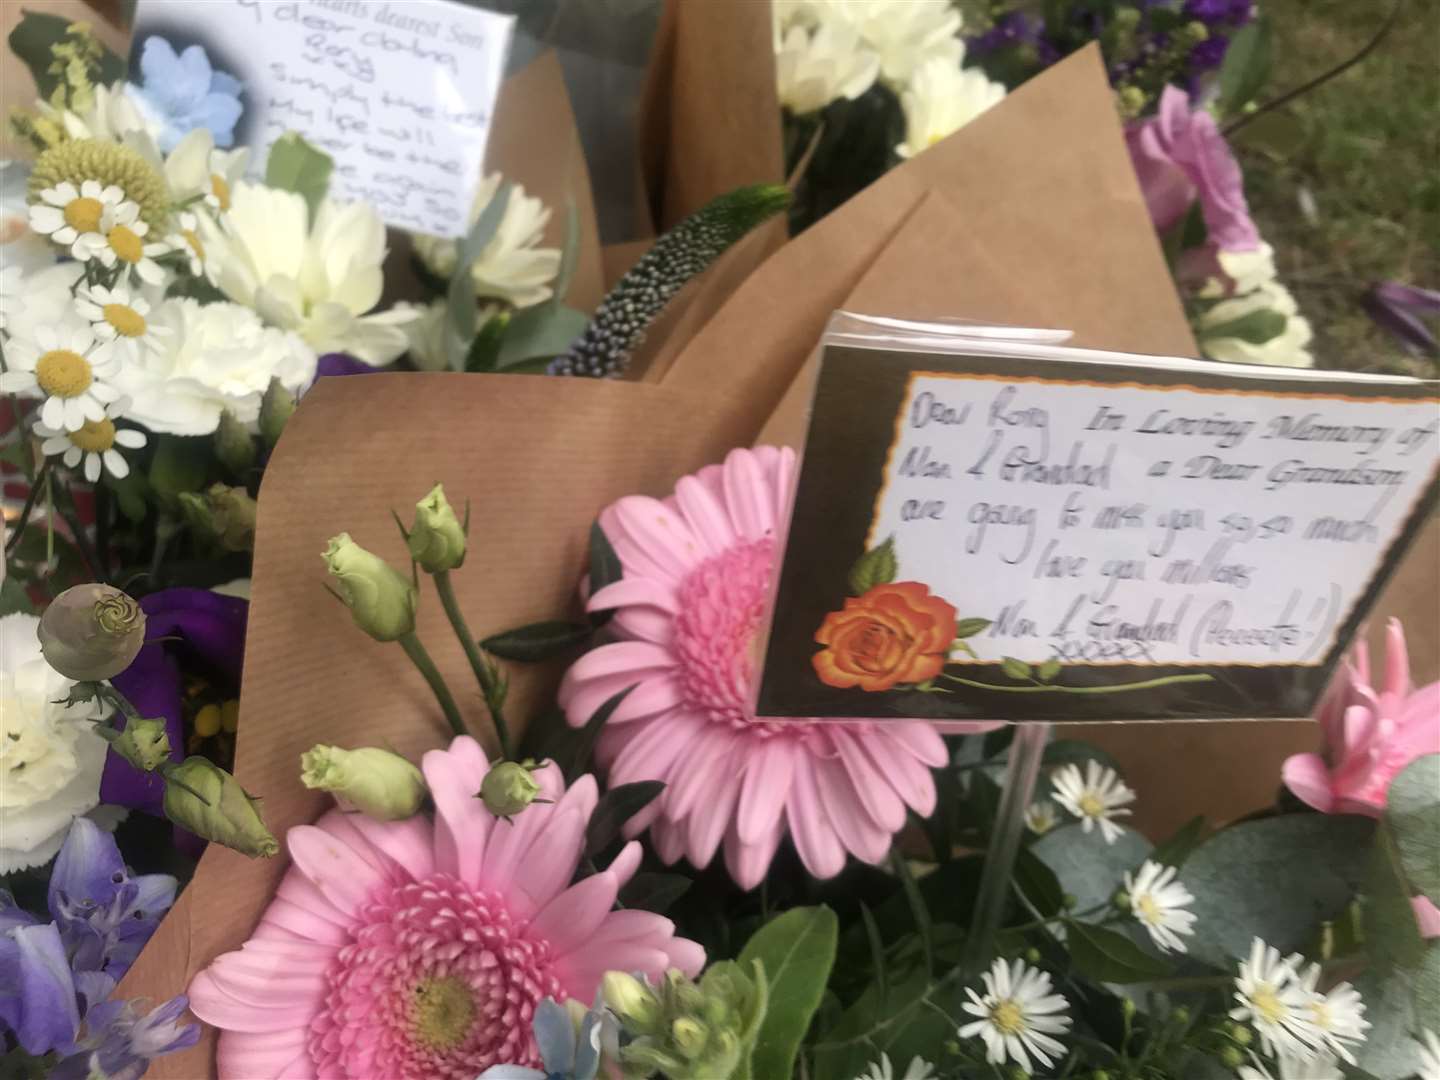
569	1047
343	364
183	92
1401	310
56	977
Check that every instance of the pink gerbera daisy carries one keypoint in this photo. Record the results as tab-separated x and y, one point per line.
697	574
418	950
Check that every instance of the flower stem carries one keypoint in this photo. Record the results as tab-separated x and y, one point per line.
484	672
1148	684
421	659
31	497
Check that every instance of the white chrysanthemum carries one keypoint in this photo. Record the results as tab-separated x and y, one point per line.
50	756
815	67
1288	1067
198	173
1429	1047
22	250
118	318
317	278
512	267
905	34
64	365
428	332
1041	817
94	444
1338	1016
1158	901
1095	798
1018	1015
36	298
1272	1001
122	240
112	115
217	357
918	1069
941	99
66	213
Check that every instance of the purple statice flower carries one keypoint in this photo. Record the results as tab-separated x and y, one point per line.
1401	310
1016	28
1207	11
340	363
1209	54
56	977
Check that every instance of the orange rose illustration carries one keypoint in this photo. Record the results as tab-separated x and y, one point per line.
895	633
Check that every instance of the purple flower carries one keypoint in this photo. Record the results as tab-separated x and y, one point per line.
208	632
1209	54
339	363
1179	155
1014	28
56	977
1207	11
1398	308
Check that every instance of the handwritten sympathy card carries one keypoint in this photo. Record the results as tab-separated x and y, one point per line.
400	93
1055	535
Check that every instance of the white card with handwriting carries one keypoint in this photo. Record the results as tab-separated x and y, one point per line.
1059	536
400	93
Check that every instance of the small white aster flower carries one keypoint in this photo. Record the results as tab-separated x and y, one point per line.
119	319
1338	1017
188	241
1291	1067
1018	1015
1429	1044
65	212
918	1069
94	443
63	365
1271	999
1041	817
1095	798
941	99
1157	900
121	239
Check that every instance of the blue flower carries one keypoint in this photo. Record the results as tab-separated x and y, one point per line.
568	1052
56	977
182	93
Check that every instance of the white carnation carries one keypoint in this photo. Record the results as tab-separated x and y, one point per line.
904	34
941	99
814	67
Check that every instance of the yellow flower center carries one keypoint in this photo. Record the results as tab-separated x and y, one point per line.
220	189
1008	1017
83	214
94	436
126	320
62	373
193	239
1091	806
1268	1004
443	1011
1148	909
126	244
1320	1014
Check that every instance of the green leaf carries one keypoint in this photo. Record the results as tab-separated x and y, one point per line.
129	494
1313	864
537	641
651	891
605	569
13	597
1413	812
1076	752
1388	1052
1177	849
1246	67
1086	866
1018	670
180	464
579	750
542	331
877	950
37	33
797	950
918	911
905	1022
295	165
484	351
1391	931
1426	981
877	566
615	808
1037	884
970	627
460	294
1107	956
1048	670
1257	327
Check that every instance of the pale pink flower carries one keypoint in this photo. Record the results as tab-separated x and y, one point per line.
419	949
1427	916
1370	735
688	613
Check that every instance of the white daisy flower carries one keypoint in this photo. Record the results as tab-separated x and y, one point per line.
65	213
941	99
64	366
119	319
1274	1003
1290	1067
1041	817
1339	1016
95	443
1018	1014
815	67
1429	1044
1157	900
1095	798
918	1069
121	239
188	241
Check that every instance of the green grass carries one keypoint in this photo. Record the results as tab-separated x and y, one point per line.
1364	152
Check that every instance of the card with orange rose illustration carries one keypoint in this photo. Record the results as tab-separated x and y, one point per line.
998	529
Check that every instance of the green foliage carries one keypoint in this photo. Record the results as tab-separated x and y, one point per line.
180	464
1413	814
1391	932
295	165
967	628
538	641
543	331
797	951
1108	956
1086	866
1256	327
1177	849
615	808
903	1021
1247	65
48	46
605	569
877	566
460	293
1015	669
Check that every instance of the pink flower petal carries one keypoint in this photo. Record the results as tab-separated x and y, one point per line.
815	838
857	830
636	592
286	918
462	823
706	827
873	787
1307	777
342	876
748	861
911	778
406	843
654	536
746	499
920	740
569	919
279	1055
705	515
765	789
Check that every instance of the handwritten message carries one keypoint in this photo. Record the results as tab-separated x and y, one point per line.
399	92
1095	523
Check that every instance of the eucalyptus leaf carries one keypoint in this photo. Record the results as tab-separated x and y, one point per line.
615	808
1391	931
1037	884
295	165
1111	957
1075	752
906	1022
1174	851
460	293
1086	866
538	641
877	566
797	951
542	331
1425	982
1388	1052
1413	812
1247	65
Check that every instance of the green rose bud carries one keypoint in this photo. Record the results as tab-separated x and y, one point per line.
689	1037
378	783
509	787
91	632
204	798
381	600
144	744
233	445
636	1005
437	539
276	408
